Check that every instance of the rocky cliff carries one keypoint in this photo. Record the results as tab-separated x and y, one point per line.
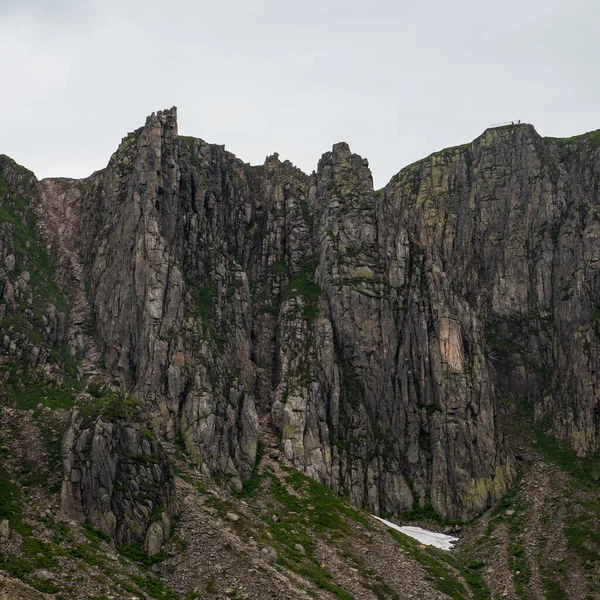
378	333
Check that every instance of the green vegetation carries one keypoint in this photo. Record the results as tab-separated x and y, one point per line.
313	509
155	589
203	295
189	145
304	509
305	287
95	535
431	409
426	514
28	393
10	502
452	573
585	470
31	256
517	560
552	589
136	553
280	267
109	406
54	546
325	510
591	137
35	554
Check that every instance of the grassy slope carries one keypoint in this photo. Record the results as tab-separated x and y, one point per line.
543	539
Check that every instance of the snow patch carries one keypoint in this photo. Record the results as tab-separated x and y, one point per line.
429	538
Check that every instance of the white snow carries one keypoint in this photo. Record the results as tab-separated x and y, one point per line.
429	538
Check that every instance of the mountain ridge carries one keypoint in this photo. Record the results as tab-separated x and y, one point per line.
181	296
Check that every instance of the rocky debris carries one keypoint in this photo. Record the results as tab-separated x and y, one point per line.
211	554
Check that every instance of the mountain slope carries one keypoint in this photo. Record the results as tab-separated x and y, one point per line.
179	297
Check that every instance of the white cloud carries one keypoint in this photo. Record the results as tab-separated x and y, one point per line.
397	80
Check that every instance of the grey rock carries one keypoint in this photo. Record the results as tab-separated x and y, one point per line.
5	532
269	554
378	332
44	575
118	481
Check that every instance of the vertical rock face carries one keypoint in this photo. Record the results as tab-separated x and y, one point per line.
404	406
170	300
379	330
32	316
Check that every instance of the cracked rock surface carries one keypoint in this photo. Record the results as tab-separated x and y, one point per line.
380	330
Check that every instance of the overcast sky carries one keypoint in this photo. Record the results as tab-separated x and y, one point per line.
396	80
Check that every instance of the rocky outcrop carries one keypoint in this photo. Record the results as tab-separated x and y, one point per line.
379	330
118	479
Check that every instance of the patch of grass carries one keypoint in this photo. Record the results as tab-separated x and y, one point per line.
136	553
432	409
281	267
109	406
155	588
474	579
583	541
426	513
147	435
188	144
323	580
28	393
203	296
517	561
51	433
324	508
305	286
585	470
35	553
211	585
95	535
370	579
79	553
591	137
11	504
552	589
311	509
